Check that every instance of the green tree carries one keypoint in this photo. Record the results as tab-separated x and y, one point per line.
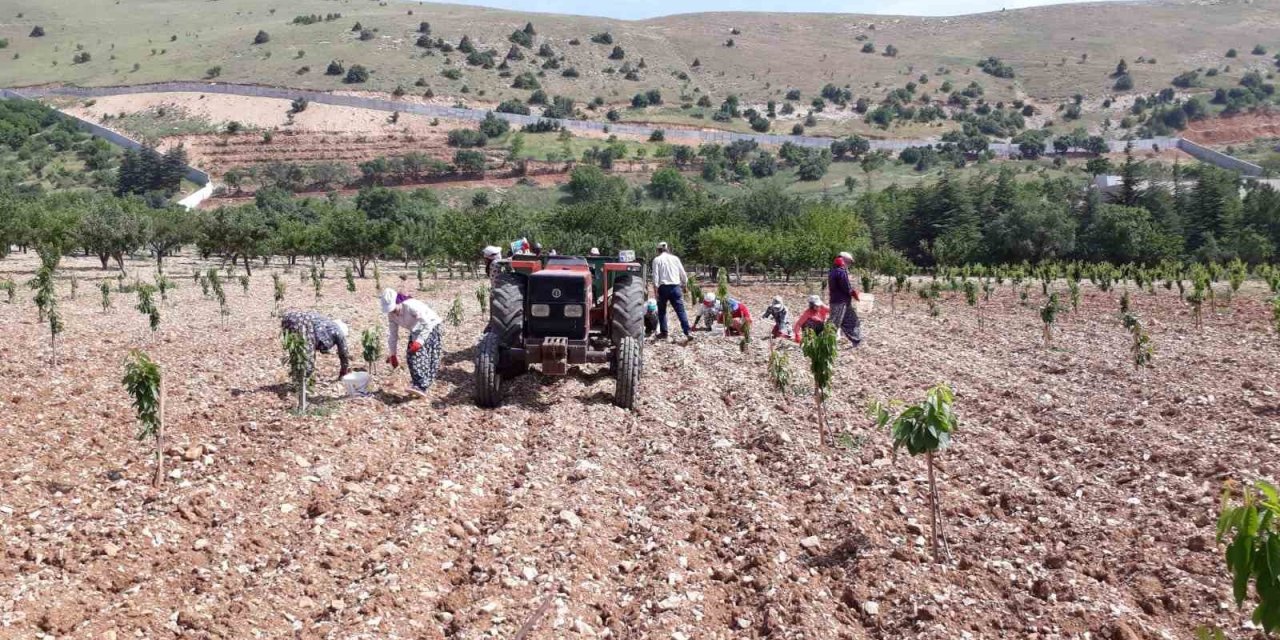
145	385
820	349
1253	555
667	184
924	428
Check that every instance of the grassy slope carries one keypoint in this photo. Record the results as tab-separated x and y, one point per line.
773	52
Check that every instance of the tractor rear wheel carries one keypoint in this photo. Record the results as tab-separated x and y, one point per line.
506	320
506	308
630	362
626	309
488	380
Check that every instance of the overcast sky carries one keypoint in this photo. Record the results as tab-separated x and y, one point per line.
639	9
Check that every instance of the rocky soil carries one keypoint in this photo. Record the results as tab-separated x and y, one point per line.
1079	496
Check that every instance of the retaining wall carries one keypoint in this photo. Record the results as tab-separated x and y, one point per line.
1219	159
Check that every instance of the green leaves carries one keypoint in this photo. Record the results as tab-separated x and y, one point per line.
921	428
142	382
454	315
780	371
371	345
820	349
1254	551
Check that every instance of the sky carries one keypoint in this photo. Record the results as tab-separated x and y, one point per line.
640	9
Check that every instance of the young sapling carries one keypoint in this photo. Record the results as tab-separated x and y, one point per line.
144	383
924	428
820	348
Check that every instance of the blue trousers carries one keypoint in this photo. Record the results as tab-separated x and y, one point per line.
671	293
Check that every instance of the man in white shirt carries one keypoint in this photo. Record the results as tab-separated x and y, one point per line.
670	279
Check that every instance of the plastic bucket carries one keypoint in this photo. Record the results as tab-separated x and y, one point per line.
356	383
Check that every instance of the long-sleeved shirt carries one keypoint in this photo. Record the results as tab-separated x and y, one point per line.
839	288
810	314
412	314
667	269
777	312
321	334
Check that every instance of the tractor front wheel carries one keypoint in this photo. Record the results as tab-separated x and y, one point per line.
630	362
488	380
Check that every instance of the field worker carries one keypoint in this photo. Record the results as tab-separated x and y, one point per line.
813	319
594	252
536	249
739	318
321	334
650	317
669	278
490	254
709	312
777	311
425	338
841	296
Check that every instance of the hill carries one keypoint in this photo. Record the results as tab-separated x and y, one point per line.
1052	52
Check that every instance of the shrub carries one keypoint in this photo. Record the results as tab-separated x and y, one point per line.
356	74
617	53
657	135
569	73
1231	53
493	126
1123	83
466	138
37	32
526	80
1259	50
994	66
335	68
599	38
512	106
262	38
452	73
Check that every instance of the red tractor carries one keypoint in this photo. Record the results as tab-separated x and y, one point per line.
556	311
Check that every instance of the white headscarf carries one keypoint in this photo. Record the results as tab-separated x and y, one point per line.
343	328
388	300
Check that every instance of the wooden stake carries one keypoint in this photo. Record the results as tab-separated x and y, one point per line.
155	481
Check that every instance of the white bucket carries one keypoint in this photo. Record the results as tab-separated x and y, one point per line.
356	383
866	302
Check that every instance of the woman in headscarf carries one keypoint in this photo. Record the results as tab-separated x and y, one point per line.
737	319
813	319
321	334
422	355
710	311
777	312
650	317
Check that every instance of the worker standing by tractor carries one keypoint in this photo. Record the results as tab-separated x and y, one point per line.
423	353
669	278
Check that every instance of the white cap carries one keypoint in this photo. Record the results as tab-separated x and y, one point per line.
662	246
388	300
847	256
594	251
491	251
814	301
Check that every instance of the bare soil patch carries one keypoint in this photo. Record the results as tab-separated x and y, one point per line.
1234	129
1079	496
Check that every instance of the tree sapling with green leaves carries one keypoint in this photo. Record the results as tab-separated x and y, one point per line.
1141	350
1048	315
147	306
277	287
298	358
105	288
144	383
1253	555
351	280
971	298
482	298
780	372
244	283
454	315
371	347
924	428
820	348
10	289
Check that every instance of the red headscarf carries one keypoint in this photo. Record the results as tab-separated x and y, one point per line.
839	262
